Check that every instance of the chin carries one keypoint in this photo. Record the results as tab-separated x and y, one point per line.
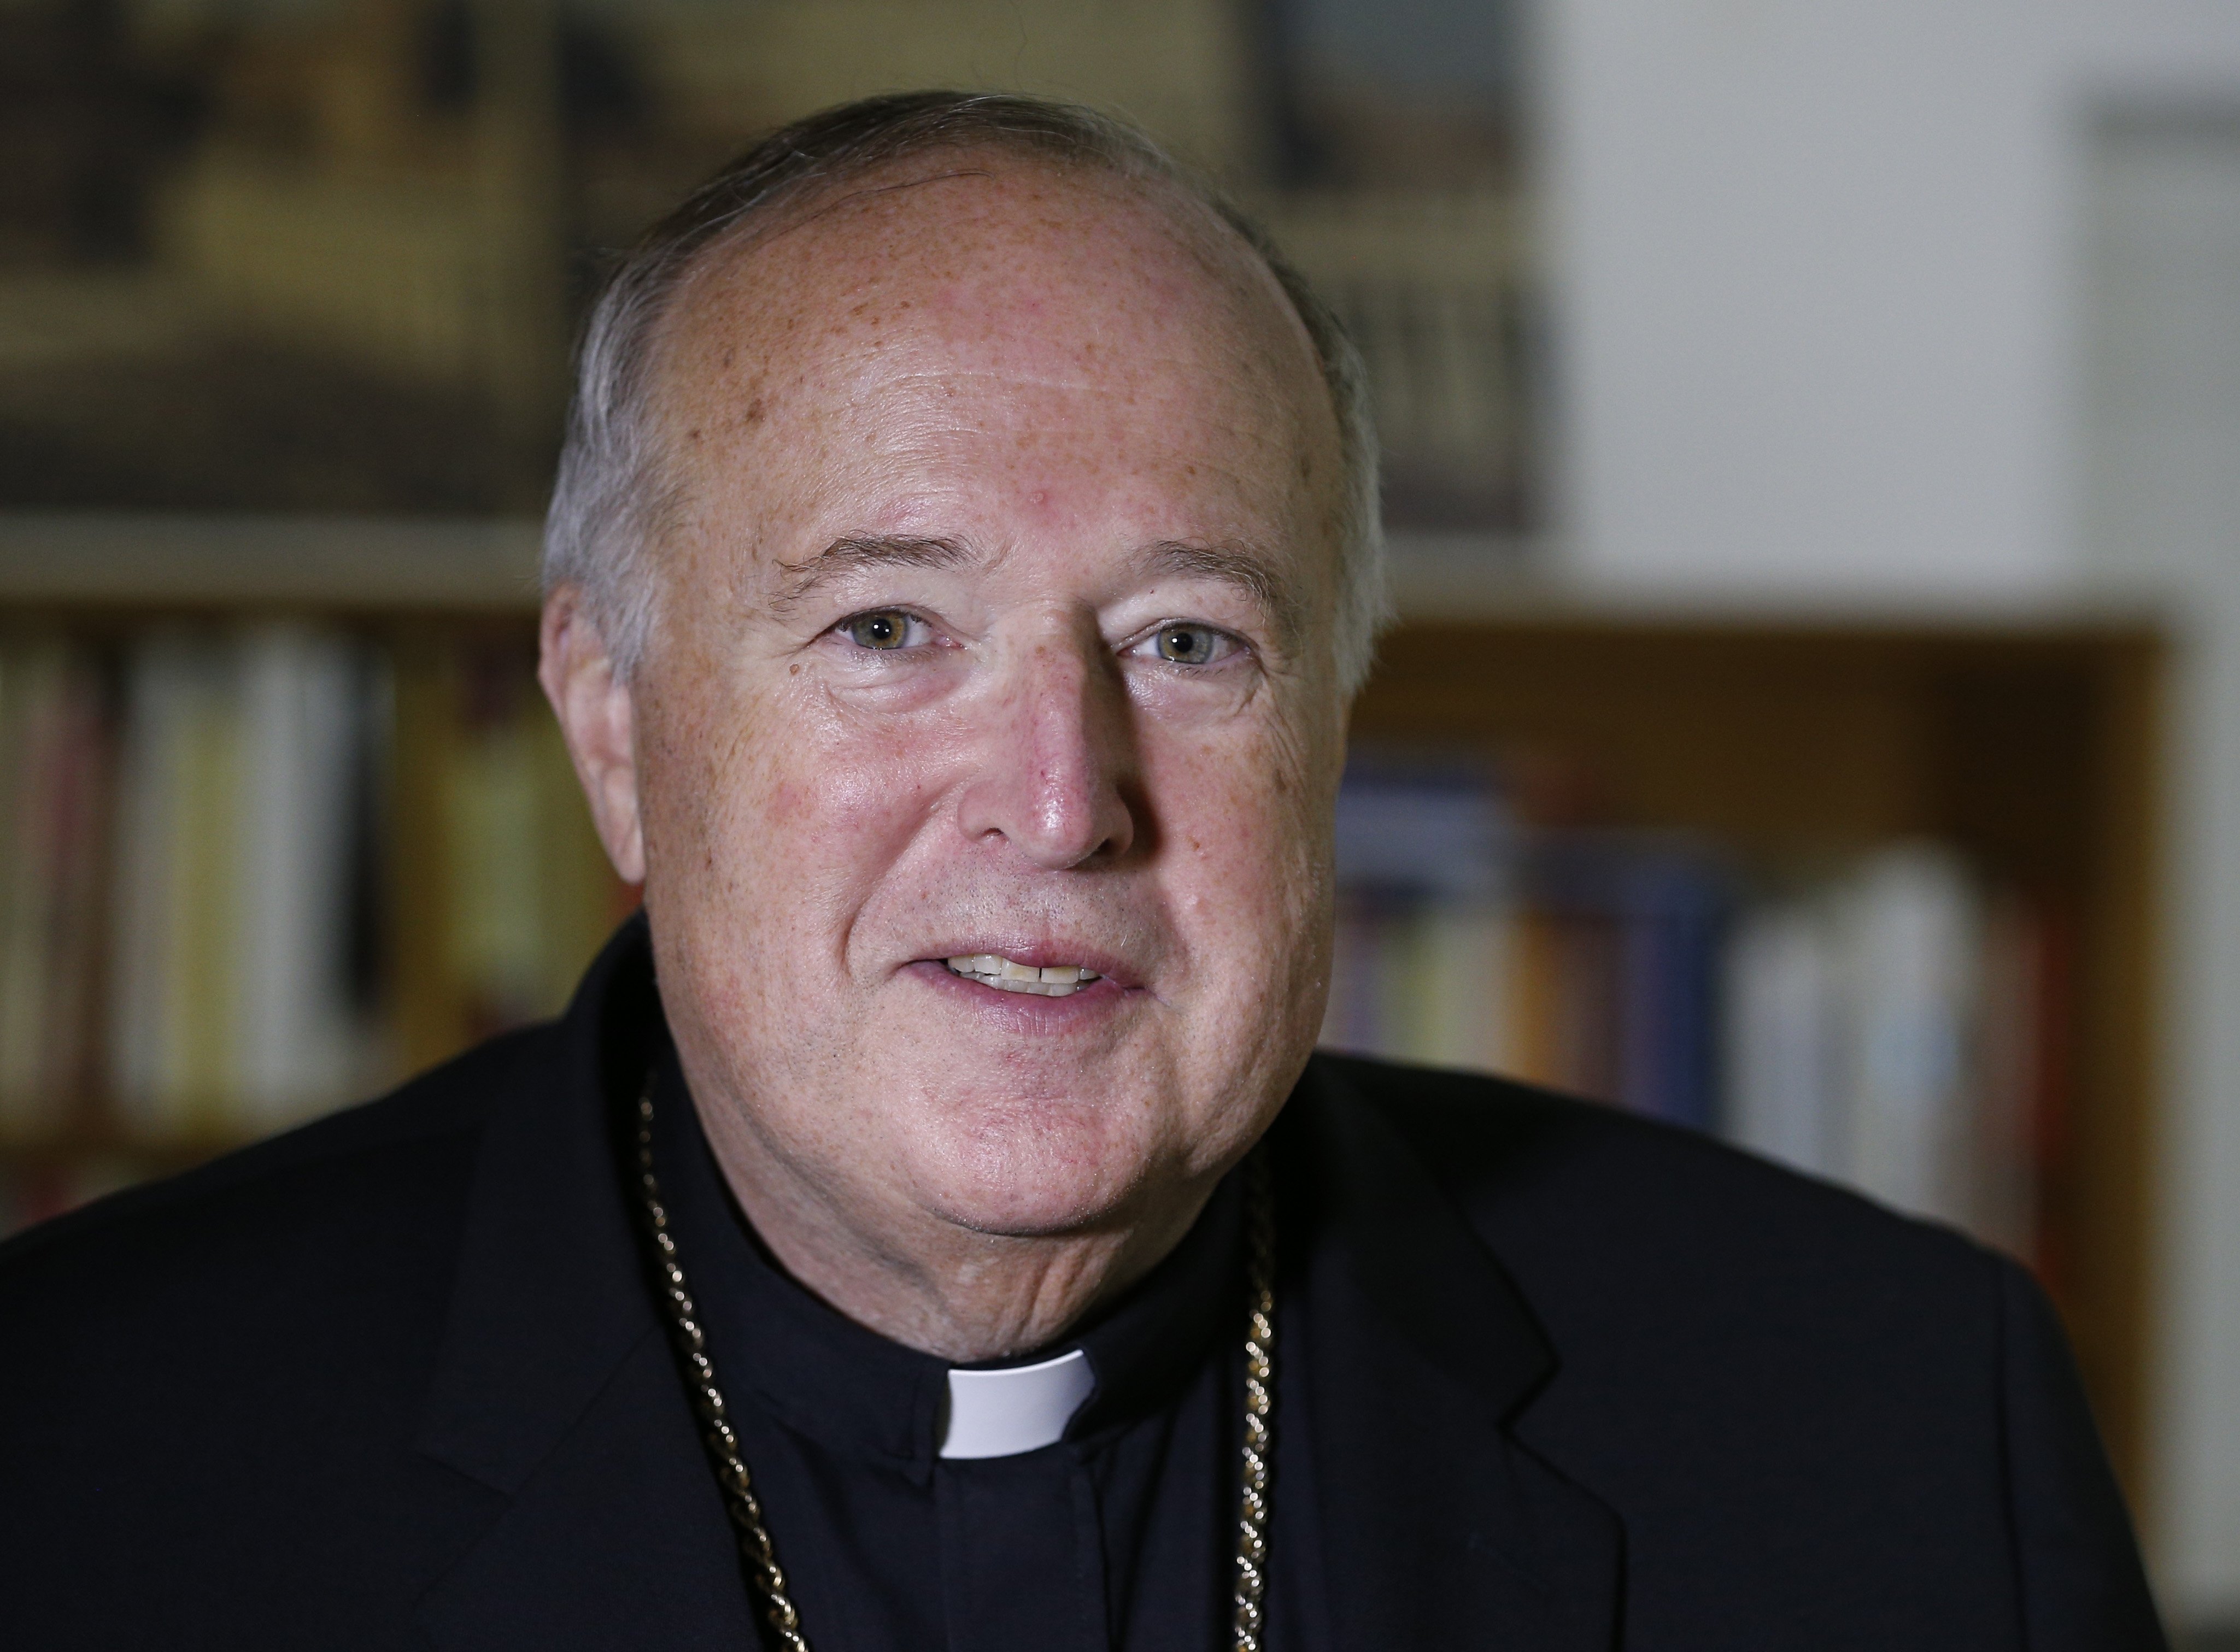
1034	1168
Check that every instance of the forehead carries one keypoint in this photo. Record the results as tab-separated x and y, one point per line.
1004	286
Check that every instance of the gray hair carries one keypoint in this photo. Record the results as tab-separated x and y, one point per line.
613	498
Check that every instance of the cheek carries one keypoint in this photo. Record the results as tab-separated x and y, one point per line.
782	806
1247	848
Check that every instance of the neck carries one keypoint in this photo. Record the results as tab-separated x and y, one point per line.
915	1278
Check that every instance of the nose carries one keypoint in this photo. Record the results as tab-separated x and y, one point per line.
1053	764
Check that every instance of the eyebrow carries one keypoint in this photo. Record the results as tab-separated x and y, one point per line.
853	551
1231	565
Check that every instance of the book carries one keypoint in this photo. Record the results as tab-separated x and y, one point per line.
1888	1023
1583	960
1910	937
2022	1148
297	1039
530	897
1878	1018
1780	1020
239	806
173	875
1639	921
54	763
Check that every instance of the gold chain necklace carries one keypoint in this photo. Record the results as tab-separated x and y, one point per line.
730	1466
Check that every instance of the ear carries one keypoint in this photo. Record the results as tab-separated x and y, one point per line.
592	701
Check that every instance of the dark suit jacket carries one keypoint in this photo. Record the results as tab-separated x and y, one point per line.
1580	1381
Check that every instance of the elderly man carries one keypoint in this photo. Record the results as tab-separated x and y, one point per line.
930	1226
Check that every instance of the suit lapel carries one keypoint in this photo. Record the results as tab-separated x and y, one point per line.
1421	1521
618	1537
1436	1527
555	1386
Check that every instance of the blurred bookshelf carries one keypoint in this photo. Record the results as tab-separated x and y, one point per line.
282	819
1927	844
285	820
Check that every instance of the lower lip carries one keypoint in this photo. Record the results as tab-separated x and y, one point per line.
1026	1011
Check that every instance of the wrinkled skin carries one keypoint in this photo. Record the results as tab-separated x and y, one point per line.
996	617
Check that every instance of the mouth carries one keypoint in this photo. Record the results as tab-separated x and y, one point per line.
1009	975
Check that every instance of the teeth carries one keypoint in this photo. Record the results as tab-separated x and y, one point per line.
1050	981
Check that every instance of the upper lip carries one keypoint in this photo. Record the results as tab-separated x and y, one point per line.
1044	955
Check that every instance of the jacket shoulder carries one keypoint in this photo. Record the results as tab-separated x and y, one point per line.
1591	1178
400	1160
1793	1396
209	1386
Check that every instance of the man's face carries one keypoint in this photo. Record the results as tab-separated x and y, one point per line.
996	623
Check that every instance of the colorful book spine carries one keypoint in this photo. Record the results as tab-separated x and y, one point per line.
199	866
54	763
1880	1020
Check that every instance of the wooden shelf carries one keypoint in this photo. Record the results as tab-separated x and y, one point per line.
2032	746
96	561
2028	739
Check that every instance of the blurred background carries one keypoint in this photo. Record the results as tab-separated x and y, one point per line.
1812	456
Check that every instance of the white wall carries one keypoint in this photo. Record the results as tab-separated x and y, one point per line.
1824	272
2160	303
1807	322
1814	264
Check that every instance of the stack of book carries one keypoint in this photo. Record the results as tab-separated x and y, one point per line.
523	892
1897	1023
216	915
1881	1018
56	773
238	992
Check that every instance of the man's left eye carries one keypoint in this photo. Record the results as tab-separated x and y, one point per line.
884	630
1188	644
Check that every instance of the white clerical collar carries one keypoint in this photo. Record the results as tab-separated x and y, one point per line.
999	1413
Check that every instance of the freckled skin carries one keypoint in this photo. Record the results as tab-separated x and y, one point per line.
1053	371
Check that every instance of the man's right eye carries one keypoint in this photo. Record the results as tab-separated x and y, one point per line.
885	629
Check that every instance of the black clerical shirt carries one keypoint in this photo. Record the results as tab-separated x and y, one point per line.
1119	1535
